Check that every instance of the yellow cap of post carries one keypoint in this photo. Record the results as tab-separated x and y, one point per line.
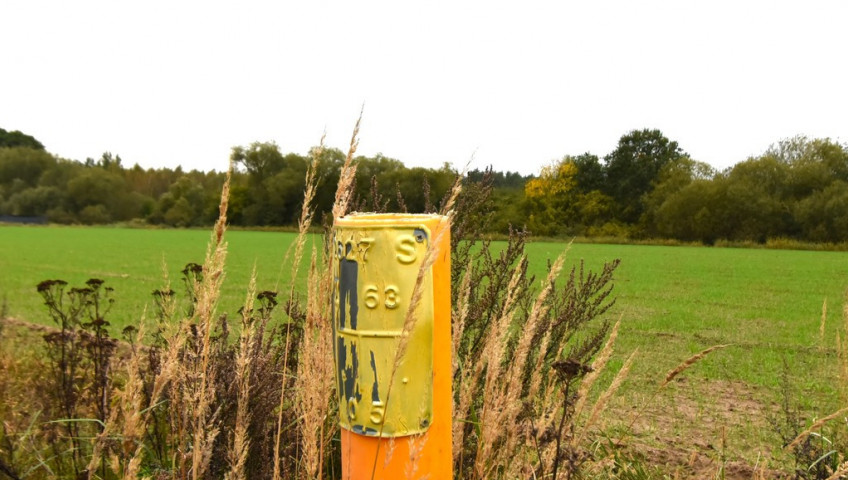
393	367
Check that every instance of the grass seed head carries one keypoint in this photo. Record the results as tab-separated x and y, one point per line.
688	363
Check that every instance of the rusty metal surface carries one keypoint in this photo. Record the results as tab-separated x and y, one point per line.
375	265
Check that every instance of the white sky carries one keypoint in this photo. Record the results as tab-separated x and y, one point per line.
516	84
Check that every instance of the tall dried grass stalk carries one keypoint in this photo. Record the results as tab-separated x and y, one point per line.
512	391
277	475
295	249
175	377
430	256
680	368
456	189
492	359
204	427
823	321
462	401
306	212
840	472
842	353
314	380
494	346
815	426
345	188
135	423
128	410
688	363
459	314
537	378
100	444
502	402
473	368
540	310
169	305
759	469
313	311
597	367
240	445
557	417
191	379
604	399
416	447
344	191
313	383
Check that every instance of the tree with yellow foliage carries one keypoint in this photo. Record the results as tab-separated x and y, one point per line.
552	198
566	198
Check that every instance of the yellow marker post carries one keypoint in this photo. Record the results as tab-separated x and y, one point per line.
376	260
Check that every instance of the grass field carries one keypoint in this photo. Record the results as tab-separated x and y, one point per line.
765	304
133	262
673	302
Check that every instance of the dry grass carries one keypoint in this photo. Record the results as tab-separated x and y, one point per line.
314	381
344	191
597	367
240	443
472	370
520	358
823	322
204	416
604	400
802	439
842	354
502	400
815	426
194	376
686	364
840	472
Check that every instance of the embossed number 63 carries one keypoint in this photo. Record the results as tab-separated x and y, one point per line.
390	296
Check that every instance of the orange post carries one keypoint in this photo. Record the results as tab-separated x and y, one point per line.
394	411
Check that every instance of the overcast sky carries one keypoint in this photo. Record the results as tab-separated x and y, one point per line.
517	85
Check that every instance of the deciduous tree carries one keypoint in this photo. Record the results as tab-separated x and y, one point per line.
633	167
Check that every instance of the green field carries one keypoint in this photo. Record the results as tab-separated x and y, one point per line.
766	304
133	262
672	301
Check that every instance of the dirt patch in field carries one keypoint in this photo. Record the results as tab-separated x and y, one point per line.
15	324
695	428
681	463
15	334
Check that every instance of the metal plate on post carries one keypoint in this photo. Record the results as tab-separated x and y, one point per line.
375	266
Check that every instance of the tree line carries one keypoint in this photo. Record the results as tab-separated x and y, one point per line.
647	187
266	189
